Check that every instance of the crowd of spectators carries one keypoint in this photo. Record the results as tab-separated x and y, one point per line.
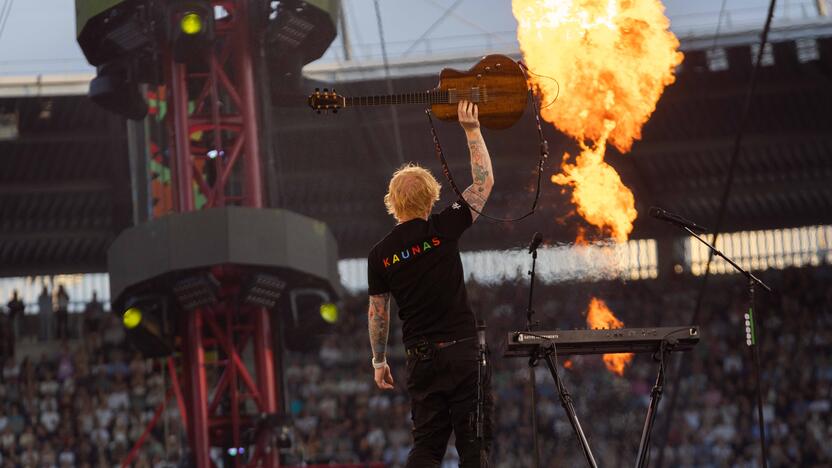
341	417
86	404
83	405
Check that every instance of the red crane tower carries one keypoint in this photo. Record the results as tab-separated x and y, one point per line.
211	279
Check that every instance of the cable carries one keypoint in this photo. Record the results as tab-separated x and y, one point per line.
394	114
557	93
4	18
544	155
718	31
726	192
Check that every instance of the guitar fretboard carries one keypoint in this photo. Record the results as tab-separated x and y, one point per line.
434	96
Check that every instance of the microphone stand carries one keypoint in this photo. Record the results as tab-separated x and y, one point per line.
750	337
482	373
532	363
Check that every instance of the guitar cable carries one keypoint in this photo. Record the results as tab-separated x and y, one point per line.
544	155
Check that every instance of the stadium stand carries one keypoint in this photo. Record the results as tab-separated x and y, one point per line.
86	402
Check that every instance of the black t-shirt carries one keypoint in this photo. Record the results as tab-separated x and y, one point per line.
419	263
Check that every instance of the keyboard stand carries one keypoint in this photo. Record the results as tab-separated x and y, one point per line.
661	355
566	401
665	348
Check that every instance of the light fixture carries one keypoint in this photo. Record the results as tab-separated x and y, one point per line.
132	317
191	23
196	291
112	29
114	90
147	326
264	290
329	312
191	30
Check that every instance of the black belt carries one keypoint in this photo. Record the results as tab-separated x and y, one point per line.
425	349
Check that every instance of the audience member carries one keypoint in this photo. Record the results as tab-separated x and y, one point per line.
93	313
61	307
16	308
45	314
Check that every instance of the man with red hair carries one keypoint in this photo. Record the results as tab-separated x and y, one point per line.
418	264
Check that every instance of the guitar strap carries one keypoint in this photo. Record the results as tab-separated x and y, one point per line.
544	154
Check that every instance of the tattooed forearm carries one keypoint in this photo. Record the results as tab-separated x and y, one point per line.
378	317
478	169
474	199
480	176
481	172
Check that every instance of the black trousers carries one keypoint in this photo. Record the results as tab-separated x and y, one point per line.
443	393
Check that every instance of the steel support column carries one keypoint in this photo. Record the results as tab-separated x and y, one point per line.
253	186
183	175
198	389
264	360
214	123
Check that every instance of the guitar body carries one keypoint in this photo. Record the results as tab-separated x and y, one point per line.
496	84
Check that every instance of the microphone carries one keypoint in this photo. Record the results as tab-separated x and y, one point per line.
672	218
535	243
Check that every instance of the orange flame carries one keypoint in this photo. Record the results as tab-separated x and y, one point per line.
598	315
612	60
597	191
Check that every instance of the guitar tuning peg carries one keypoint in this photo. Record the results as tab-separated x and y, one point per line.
334	111
317	89
318	111
326	90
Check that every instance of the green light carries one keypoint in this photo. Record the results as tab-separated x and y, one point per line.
191	23
132	318
329	312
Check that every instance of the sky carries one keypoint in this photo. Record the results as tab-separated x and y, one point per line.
39	35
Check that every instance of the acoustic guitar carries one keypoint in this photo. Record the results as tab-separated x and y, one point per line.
496	84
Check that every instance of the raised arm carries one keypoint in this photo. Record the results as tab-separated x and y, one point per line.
378	317
477	193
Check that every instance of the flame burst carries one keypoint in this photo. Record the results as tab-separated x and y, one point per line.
613	59
598	315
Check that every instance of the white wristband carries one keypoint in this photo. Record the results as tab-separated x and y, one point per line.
378	365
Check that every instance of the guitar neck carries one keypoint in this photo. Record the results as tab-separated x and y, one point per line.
433	96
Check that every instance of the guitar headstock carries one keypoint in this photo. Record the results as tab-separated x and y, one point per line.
323	101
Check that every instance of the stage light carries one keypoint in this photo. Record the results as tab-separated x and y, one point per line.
298	33
191	23
146	324
232	452
190	30
309	314
264	291
114	89
110	30
196	291
132	318
329	312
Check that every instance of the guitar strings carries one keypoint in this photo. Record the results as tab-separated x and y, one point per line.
438	96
